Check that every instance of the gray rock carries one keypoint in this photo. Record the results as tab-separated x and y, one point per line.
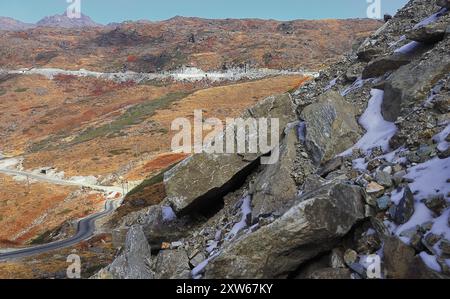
312	226
205	177
331	127
444	3
134	262
383	203
411	83
429	34
383	178
331	273
382	65
172	264
436	203
337	258
354	71
401	262
368	54
331	166
405	208
275	187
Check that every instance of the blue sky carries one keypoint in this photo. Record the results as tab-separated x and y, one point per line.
106	11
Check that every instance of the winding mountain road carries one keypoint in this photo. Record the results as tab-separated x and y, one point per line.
85	226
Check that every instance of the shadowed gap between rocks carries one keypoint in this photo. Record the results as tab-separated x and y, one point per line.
212	202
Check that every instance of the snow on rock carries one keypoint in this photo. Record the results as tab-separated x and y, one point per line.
430	261
430	178
168	214
246	210
440	139
409	48
431	19
331	84
8	163
378	131
355	86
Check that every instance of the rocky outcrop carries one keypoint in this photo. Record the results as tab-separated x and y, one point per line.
204	177
172	264
429	34
412	83
382	65
310	227
331	127
276	187
135	260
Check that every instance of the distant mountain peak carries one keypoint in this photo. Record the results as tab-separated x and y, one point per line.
63	21
11	24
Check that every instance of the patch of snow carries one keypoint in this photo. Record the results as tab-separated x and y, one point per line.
360	164
421	215
355	86
409	48
430	261
301	131
200	268
443	145
331	84
245	211
440	226
430	178
168	214
431	19
378	131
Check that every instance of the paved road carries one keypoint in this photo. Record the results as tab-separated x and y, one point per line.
85	227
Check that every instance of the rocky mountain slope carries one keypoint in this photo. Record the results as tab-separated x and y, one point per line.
168	45
63	21
363	176
9	24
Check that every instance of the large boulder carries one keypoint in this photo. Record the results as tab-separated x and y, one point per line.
275	188
312	226
172	264
331	127
431	33
401	262
135	260
203	178
382	65
410	84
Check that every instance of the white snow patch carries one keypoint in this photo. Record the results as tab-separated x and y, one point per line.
409	48
331	84
430	178
378	131
355	86
443	145
430	261
245	211
8	163
168	214
431	19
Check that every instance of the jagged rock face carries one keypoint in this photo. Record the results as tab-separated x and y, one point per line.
275	187
401	262
412	82
331	127
172	264
428	34
134	262
381	65
310	227
206	177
